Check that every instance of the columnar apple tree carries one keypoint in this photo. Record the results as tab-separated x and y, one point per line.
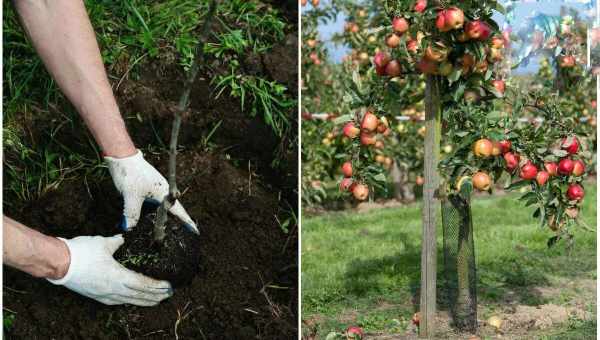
459	43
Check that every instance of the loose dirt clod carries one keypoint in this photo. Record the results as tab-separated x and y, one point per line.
176	259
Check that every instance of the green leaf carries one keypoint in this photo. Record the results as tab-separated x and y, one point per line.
455	75
379	177
559	153
343	119
517	185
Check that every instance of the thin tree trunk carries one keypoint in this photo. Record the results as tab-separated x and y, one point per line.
160	223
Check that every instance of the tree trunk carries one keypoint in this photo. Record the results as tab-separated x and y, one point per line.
403	191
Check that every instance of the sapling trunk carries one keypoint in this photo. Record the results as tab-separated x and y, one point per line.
160	222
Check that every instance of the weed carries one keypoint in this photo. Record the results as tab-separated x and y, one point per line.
140	260
130	33
9	319
206	144
266	97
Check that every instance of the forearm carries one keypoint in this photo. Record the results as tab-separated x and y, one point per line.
33	252
61	32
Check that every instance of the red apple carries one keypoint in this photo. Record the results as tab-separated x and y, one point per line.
552	168
478	30
369	122
360	192
499	85
367	138
399	25
350	130
542	177
481	181
571	144
420	6
347	169
381	59
565	166
483	148
528	171
393	69
455	18
392	41
512	161
575	192
345	184
412	46
578	168
441	23
354	332
435	53
505	146
496	149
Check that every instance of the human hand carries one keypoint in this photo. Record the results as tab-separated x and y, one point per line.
93	272
138	181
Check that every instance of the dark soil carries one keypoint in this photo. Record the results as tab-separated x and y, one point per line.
237	280
175	259
225	282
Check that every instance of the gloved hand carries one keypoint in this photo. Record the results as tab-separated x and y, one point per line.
138	181
94	272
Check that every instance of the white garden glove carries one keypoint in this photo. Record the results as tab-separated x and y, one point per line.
94	273
138	181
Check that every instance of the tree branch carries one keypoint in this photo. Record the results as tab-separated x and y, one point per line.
160	222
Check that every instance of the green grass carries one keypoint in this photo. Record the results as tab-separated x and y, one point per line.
365	268
131	34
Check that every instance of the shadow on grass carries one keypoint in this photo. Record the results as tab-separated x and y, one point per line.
363	275
515	278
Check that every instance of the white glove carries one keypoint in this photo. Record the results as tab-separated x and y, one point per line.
94	273
138	181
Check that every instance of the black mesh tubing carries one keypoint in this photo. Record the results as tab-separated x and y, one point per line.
459	262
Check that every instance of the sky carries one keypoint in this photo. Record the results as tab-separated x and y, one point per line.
522	11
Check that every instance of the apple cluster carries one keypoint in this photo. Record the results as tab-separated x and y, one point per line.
443	52
370	133
569	169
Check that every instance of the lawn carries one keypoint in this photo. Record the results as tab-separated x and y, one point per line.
364	268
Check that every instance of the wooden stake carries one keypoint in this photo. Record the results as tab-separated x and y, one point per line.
430	204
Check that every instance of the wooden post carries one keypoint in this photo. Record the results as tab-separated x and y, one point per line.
430	204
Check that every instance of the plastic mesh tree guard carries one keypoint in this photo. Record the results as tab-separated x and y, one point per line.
459	261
